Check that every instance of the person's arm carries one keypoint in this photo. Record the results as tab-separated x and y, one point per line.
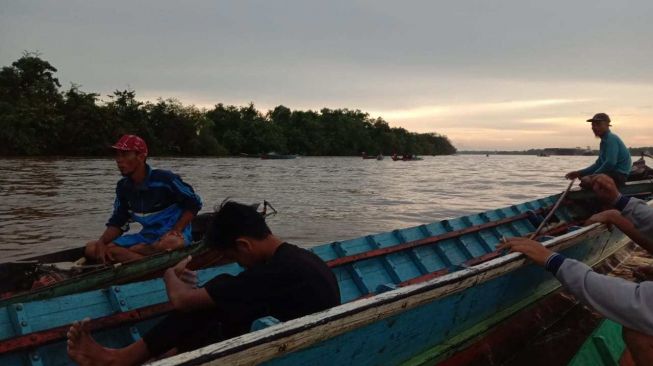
178	228
185	195
181	286
640	213
614	217
189	201
625	302
109	234
610	156
116	225
589	170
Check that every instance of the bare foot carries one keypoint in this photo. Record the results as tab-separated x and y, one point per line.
84	350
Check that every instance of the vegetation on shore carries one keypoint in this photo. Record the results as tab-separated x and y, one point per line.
38	118
634	151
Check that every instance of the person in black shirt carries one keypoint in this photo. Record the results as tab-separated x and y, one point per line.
280	280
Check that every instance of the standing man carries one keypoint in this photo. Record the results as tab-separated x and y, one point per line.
614	157
157	199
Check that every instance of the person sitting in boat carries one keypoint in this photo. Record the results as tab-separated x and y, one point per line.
634	217
627	303
614	158
157	199
280	280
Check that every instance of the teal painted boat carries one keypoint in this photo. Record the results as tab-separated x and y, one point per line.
57	274
604	347
410	296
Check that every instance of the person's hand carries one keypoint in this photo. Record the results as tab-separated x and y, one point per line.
174	233
531	248
184	274
572	175
608	217
605	188
102	254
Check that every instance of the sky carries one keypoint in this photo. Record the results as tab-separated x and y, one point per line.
504	75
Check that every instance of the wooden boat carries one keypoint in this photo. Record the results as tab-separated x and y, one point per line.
604	347
414	295
395	157
57	274
372	157
639	170
244	155
273	155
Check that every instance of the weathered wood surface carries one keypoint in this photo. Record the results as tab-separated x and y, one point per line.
293	336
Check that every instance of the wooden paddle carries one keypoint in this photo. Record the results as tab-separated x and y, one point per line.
555	207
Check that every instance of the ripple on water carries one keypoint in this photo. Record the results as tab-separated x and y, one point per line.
51	204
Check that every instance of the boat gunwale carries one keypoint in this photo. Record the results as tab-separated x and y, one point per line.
439	286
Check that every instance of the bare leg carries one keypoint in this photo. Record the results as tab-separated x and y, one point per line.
166	243
122	255
85	351
640	346
90	251
143	249
169	242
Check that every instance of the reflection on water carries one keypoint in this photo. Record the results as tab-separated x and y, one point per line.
52	204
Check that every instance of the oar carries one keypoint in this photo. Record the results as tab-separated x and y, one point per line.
555	207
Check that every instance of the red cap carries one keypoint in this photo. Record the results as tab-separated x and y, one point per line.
131	143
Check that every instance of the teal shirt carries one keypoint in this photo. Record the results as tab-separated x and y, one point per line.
613	157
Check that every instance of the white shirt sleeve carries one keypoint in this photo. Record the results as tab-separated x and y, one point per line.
641	215
625	302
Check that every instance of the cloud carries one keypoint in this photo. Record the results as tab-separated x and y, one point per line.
472	109
514	69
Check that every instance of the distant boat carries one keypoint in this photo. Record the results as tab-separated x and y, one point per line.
543	155
273	155
370	157
406	157
244	155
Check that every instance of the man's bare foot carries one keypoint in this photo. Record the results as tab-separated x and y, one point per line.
84	350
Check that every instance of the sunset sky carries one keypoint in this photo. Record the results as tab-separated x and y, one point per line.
488	74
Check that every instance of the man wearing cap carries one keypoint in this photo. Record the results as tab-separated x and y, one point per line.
157	199
280	280
614	157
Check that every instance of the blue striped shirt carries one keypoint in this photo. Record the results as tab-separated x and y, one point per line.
157	203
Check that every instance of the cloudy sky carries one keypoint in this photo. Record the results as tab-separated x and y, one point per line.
512	74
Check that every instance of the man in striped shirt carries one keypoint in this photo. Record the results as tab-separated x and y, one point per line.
157	199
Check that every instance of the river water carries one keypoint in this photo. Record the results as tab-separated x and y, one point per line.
52	204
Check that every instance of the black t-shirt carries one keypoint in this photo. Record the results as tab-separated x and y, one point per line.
293	283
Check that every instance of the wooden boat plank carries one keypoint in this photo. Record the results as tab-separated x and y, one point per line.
390	263
66	309
374	275
450	284
481	274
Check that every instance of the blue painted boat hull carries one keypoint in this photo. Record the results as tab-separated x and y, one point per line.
405	322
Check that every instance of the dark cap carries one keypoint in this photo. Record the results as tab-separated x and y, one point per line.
599	117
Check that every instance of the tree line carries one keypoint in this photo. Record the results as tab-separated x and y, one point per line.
38	118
